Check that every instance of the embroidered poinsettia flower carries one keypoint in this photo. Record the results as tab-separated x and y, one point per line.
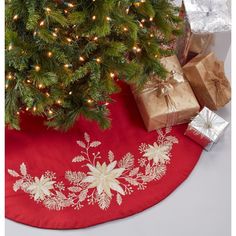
104	178
157	153
41	187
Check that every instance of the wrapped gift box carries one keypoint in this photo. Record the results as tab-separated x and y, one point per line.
207	78
191	41
167	102
208	16
206	128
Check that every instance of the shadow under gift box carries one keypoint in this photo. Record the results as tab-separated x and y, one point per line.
157	112
206	76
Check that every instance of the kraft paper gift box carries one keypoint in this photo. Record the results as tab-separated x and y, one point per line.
208	81
167	102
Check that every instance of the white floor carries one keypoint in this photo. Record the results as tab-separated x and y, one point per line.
199	207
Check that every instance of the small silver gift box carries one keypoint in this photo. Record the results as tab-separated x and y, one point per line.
206	128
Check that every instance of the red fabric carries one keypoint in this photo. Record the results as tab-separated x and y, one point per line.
42	149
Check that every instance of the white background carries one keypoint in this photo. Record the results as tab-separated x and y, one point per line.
199	207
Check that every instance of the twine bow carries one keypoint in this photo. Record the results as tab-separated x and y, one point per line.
218	82
163	87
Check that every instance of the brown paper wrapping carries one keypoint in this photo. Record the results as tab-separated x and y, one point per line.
208	81
155	111
199	43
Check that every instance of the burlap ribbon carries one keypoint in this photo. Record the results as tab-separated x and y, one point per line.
218	83
162	88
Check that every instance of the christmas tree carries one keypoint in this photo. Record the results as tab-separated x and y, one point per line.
63	58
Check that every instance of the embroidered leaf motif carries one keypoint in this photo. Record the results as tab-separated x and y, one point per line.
95	144
127	161
86	137
25	185
74	189
78	159
118	199
134	171
51	204
143	147
160	133
132	181
122	176
13	173
172	139
74	177
147	178
83	195
159	171
17	185
103	201
61	195
111	156
147	169
23	169
81	144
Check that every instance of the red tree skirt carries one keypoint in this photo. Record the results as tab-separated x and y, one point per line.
87	176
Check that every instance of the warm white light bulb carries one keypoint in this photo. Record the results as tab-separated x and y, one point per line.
70	5
81	58
15	17
112	75
10	47
98	60
49	54
37	68
9	76
48	9
41	23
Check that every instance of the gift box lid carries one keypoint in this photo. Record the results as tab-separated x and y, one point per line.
207	16
209	124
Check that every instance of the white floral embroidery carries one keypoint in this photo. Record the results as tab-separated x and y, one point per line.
102	181
104	178
157	153
40	187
